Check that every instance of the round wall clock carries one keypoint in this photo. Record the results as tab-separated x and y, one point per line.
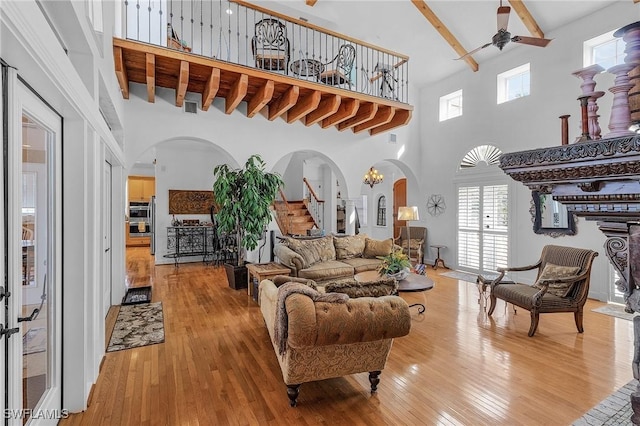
436	205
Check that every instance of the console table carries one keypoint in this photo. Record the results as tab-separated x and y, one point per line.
183	241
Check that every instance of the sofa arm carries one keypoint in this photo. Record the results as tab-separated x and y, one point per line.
289	258
364	319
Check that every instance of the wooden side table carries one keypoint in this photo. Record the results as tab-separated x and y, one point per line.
256	272
438	258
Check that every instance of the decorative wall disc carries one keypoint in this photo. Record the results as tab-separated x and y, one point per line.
436	205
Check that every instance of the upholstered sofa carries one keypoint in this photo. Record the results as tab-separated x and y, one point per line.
332	257
327	338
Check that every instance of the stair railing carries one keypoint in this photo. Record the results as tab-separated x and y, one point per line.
284	215
314	204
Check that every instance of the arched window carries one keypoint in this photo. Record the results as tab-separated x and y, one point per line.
488	154
382	211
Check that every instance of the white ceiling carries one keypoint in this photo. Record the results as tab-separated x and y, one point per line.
399	26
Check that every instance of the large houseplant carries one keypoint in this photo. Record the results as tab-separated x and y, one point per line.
243	198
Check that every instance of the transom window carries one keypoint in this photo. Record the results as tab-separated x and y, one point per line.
451	105
604	50
514	84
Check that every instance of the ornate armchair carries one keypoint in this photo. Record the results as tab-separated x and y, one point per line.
415	240
339	71
562	284
270	45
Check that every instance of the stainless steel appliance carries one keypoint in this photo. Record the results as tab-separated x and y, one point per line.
152	224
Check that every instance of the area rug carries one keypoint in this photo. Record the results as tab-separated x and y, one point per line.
613	411
137	325
34	341
614	311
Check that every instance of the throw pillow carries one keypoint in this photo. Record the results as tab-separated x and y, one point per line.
353	288
315	250
375	248
349	247
278	280
552	271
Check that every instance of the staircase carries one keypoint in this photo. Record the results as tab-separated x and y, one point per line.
293	217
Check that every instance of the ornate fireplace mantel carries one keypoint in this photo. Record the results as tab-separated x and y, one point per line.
598	180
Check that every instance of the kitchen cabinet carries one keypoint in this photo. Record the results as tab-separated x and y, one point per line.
141	188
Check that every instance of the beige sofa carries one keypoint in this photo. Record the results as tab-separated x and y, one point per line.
329	258
327	340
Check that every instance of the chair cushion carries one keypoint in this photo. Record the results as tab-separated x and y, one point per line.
413	243
353	288
349	247
313	251
522	295
552	271
329	269
374	248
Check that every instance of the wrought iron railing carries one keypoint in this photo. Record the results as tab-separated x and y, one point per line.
314	205
249	35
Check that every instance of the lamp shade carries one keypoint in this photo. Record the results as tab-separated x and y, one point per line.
408	213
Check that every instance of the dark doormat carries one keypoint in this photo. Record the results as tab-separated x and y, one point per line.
137	295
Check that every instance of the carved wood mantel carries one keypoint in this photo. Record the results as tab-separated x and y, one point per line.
598	180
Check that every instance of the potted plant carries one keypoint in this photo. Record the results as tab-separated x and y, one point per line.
243	198
395	265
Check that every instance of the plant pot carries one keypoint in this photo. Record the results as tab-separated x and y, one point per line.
236	275
401	275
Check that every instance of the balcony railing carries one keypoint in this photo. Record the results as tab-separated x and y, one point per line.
248	35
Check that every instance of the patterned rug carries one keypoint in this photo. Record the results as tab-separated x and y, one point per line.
137	325
613	411
34	341
466	276
615	311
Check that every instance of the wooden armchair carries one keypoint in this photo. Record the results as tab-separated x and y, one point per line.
416	240
562	284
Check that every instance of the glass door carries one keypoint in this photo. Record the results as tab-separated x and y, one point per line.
33	354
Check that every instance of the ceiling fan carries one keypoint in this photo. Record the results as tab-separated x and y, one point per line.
502	37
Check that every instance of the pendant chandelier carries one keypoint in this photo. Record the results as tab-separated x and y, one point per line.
372	177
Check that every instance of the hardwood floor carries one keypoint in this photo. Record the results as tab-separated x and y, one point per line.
456	367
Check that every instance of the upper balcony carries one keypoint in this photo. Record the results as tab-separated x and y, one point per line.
242	52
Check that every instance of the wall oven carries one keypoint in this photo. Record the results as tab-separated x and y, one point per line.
138	210
139	221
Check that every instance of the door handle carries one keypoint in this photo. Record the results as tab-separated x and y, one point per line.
4	293
8	331
107	249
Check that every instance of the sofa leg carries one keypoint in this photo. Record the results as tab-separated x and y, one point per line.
493	304
578	316
292	393
374	379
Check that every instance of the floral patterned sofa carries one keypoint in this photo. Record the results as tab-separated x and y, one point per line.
332	257
328	336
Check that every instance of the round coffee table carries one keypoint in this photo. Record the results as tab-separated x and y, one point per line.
413	282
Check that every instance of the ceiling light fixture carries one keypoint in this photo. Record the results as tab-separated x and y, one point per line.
372	177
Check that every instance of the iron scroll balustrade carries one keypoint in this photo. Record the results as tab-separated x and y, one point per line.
229	31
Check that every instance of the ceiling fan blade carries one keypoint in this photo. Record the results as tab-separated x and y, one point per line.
532	41
503	17
473	51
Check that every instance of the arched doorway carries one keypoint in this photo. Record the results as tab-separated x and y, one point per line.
399	200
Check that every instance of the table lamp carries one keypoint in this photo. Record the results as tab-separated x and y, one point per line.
408	214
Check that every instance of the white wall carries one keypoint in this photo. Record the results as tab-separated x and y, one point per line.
525	123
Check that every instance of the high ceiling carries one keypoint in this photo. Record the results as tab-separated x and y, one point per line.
399	25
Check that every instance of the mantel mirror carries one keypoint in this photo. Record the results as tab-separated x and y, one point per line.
551	217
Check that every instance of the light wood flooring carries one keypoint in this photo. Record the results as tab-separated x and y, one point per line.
456	367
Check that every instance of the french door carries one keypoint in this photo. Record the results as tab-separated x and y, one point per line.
32	312
483	227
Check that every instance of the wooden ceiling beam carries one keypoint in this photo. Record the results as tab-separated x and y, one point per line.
401	118
151	77
444	32
327	107
526	18
304	107
183	83
121	71
383	116
311	2
211	88
284	103
260	99
236	94
365	113
348	108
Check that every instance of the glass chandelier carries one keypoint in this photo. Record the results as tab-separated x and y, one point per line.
372	177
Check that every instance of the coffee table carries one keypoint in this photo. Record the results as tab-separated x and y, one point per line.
413	282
